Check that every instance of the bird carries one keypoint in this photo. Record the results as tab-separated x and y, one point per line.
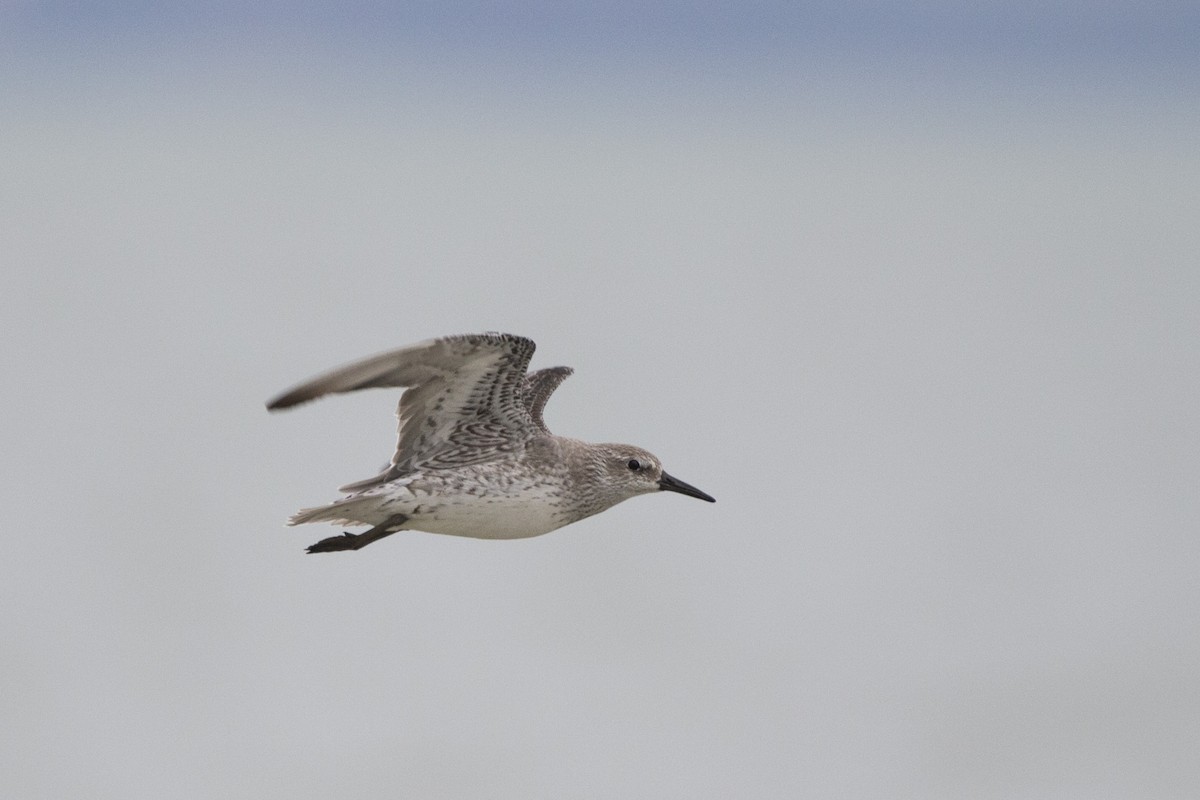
473	456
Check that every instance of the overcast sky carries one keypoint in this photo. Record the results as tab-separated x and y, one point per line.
912	290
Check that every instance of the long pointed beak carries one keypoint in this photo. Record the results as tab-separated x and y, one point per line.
669	484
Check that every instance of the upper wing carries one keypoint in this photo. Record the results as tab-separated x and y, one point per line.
464	400
539	386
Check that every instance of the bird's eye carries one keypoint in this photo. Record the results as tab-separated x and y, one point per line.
634	464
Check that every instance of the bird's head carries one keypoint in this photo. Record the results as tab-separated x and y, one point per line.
629	471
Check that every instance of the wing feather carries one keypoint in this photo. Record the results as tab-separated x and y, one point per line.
464	398
539	385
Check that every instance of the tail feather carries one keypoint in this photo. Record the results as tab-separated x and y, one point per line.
359	508
339	512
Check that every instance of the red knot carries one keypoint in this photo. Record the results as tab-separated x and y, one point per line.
474	457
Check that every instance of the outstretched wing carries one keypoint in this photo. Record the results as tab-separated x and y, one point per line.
539	386
464	400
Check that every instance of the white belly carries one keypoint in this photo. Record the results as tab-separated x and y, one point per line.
488	516
481	502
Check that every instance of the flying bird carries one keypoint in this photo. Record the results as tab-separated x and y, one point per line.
474	456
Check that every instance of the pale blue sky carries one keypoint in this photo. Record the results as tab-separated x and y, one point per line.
1063	39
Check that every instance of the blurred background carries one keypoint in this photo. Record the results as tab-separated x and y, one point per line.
910	287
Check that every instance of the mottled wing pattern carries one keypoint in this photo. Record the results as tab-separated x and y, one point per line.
463	403
471	413
539	386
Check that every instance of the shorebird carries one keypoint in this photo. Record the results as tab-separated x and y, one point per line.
474	457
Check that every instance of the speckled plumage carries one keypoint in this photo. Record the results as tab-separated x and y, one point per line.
473	456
